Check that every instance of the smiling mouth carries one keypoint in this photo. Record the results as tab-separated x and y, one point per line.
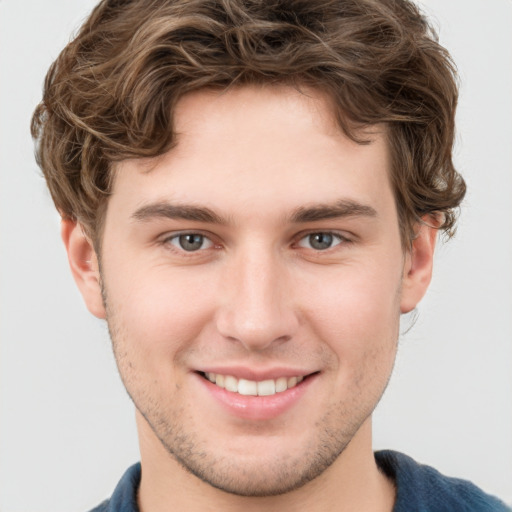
253	388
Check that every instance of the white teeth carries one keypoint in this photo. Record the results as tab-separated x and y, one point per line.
231	384
252	388
219	380
267	387
281	384
247	387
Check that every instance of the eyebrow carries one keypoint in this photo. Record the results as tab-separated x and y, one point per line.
303	214
177	211
341	208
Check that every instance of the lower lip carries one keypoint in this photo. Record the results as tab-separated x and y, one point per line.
258	407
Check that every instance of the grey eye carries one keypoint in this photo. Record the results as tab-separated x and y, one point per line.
191	242
320	241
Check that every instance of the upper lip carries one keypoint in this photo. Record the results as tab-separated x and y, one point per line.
256	374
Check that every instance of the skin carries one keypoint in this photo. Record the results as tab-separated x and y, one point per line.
256	296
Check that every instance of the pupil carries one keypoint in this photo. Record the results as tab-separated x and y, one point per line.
191	242
320	241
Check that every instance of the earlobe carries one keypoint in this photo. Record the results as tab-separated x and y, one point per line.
83	262
418	265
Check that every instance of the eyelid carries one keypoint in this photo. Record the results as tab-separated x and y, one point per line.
169	237
342	239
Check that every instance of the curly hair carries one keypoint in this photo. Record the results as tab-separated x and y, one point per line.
112	92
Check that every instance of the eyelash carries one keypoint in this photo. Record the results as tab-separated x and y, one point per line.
176	237
169	241
340	239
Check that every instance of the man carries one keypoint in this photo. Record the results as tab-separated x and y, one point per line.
251	193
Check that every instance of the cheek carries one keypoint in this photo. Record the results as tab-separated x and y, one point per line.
152	323
357	314
157	313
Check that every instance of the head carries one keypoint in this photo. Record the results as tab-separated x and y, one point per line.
112	93
258	186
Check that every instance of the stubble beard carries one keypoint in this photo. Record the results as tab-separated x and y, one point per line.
265	477
270	476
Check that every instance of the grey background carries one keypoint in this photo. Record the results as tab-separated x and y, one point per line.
66	425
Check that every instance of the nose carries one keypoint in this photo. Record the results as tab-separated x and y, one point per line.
257	300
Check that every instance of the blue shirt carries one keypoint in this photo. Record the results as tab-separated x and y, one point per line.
419	488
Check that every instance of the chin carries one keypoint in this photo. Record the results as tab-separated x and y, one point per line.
271	467
258	480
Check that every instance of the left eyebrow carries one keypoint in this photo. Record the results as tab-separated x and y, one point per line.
339	209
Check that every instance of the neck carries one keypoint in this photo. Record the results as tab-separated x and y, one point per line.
352	482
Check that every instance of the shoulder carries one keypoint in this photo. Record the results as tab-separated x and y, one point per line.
102	507
423	488
124	498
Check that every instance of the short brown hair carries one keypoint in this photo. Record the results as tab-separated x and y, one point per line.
111	93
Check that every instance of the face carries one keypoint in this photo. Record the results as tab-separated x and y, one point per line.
253	279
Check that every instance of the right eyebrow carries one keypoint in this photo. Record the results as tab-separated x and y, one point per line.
163	209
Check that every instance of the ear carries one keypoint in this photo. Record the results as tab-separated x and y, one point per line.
84	265
418	264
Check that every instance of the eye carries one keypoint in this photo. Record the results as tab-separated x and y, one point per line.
190	242
320	241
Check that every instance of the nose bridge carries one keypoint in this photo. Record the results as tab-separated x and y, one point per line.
257	310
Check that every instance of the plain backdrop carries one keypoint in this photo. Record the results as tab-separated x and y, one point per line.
67	428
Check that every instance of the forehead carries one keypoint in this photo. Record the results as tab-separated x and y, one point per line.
251	147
